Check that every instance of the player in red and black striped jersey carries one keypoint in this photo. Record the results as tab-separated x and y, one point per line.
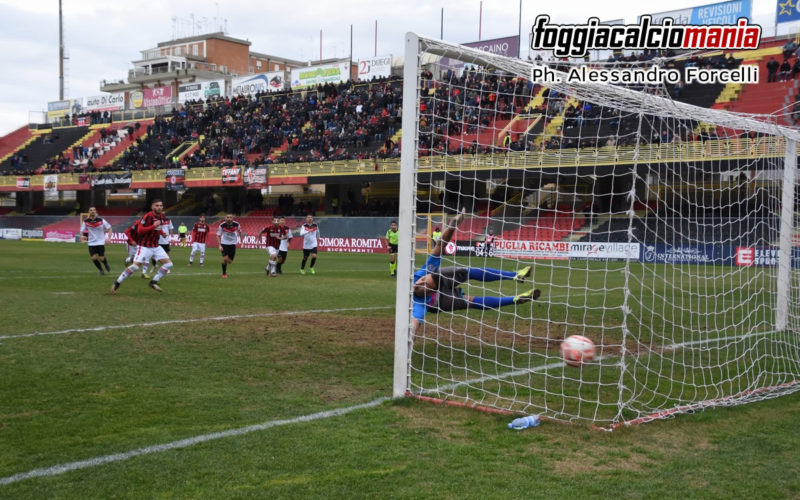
147	232
199	236
275	233
132	235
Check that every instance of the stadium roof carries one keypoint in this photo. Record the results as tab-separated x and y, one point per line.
277	58
218	35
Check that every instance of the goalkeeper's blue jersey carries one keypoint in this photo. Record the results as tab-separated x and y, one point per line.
421	304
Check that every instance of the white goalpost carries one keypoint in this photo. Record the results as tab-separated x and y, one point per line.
667	233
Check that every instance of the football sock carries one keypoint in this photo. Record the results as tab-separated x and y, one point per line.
97	264
313	261
144	267
163	271
202	257
278	266
191	257
303	264
489	274
490	302
224	268
105	263
127	272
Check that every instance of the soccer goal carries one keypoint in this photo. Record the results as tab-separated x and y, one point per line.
664	232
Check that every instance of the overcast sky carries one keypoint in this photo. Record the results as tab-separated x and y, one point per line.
102	37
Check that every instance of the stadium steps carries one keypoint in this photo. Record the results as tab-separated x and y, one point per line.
115	153
3	160
765	97
38	152
729	93
485	136
87	140
275	152
527	117
181	150
555	123
13	141
190	150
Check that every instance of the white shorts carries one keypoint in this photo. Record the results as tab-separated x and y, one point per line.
132	250
272	251
199	247
144	254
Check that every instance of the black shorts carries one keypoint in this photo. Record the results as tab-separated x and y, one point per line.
97	250
282	254
165	247
392	248
229	251
451	296
451	300
182	236
308	252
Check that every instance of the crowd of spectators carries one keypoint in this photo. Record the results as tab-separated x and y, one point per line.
82	158
459	113
466	105
330	122
785	70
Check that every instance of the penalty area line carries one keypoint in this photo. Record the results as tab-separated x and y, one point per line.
183	443
190	320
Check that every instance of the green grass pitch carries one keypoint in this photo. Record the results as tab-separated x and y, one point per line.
204	391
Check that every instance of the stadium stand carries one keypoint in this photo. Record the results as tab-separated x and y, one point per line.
14	141
127	134
45	147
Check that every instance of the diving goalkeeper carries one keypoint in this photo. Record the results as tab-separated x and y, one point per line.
438	289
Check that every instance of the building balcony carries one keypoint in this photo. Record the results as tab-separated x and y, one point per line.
117	86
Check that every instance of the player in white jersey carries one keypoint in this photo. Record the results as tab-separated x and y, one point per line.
229	233
283	249
96	230
310	233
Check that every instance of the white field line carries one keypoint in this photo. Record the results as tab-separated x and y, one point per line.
189	320
183	443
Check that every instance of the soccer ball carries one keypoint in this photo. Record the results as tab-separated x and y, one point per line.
577	349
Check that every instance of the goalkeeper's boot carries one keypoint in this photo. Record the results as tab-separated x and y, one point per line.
523	273
154	285
313	271
528	296
302	271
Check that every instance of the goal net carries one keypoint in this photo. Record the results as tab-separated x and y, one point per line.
665	232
